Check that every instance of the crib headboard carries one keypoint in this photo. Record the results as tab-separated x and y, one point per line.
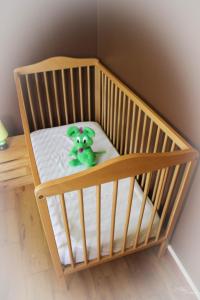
57	91
62	90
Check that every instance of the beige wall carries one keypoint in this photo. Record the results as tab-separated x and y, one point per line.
154	47
33	30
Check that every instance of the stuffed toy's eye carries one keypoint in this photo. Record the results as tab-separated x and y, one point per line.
78	140
84	140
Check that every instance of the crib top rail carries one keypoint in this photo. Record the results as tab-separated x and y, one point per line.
56	63
115	169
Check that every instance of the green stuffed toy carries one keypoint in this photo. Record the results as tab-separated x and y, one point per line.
82	151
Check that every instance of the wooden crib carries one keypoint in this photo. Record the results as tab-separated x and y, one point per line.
63	90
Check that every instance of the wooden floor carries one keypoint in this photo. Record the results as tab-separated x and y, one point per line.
26	271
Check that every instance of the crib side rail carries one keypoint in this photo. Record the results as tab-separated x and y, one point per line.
129	122
176	166
115	169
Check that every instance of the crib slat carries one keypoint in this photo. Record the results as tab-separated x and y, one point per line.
154	207
66	226
72	95
39	100
149	136
89	96
123	123
56	97
156	185
132	129
147	148
31	102
156	140
111	111
48	99
107	105
172	147
137	130
100	94
118	118
145	194
168	198
162	188
164	143
127	127
97	94
143	133
102	98
142	137
105	101
114	203
128	212
80	92
64	96
98	209
108	109
82	221
115	117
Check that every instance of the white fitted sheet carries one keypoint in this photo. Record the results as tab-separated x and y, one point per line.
51	148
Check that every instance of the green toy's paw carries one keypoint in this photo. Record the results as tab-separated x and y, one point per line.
74	163
91	163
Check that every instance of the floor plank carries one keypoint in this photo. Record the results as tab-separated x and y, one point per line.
26	270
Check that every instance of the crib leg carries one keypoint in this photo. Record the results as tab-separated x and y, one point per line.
49	234
162	248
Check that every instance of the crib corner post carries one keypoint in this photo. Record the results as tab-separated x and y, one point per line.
49	234
185	182
163	248
187	176
97	94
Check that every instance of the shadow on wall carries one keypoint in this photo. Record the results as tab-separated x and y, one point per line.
35	31
137	45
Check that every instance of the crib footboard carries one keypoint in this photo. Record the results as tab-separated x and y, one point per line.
164	177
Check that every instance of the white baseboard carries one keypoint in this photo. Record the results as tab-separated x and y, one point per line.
184	272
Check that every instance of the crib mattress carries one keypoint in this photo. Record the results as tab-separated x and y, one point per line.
51	148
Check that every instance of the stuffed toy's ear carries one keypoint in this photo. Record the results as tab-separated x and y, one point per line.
90	132
72	131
